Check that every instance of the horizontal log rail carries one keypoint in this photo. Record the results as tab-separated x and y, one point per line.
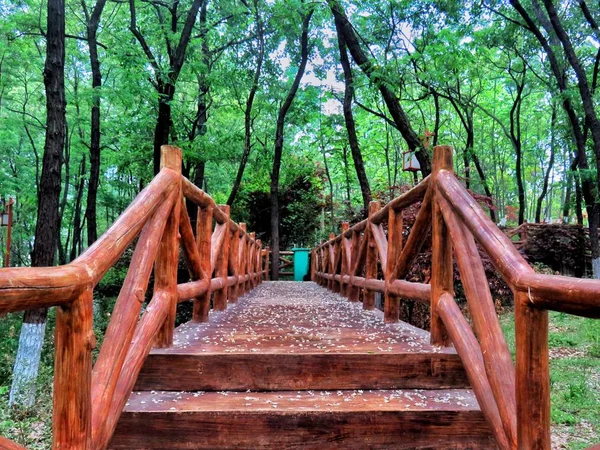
514	399
224	262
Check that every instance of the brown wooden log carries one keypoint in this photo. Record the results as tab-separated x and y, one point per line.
406	289
146	333
371	260
23	288
243	252
346	253
442	271
353	291
125	315
337	261
250	262
74	341
532	375
216	243
331	260
6	444
189	246
192	290
381	244
414	195
234	254
220	297
394	249
204	224
496	355
33	287
415	239
167	258
496	244
105	252
468	349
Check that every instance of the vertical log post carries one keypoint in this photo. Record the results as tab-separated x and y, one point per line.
250	258
234	260
74	340
337	253
353	291
167	257
258	262
266	268
204	228
441	256
330	260
313	261
221	271
345	251
371	263
392	302
244	258
532	375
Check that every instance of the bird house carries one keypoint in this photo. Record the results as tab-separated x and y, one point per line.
410	162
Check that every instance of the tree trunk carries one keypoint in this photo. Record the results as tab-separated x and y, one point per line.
538	209
92	194
248	111
359	166
77	227
278	150
46	230
163	122
393	104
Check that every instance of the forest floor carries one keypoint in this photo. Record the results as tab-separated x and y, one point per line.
574	364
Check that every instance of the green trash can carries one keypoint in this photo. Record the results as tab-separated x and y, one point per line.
300	263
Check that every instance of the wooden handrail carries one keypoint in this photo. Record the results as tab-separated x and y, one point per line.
514	400
88	403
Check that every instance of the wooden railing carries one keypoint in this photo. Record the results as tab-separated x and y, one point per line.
88	402
514	400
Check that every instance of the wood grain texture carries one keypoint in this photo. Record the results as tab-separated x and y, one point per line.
204	229
167	257
126	312
6	444
533	375
496	355
408	420
74	340
222	262
394	249
468	348
371	260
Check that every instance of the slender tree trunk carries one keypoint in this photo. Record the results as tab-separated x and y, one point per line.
393	104
359	166
46	230
77	226
93	22
347	176
278	150
163	122
538	209
248	111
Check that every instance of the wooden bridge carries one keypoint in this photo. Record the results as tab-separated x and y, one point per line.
295	365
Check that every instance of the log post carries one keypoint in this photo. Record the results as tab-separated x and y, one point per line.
74	341
234	261
266	266
353	292
243	258
258	262
337	253
371	263
250	259
392	302
313	261
532	375
345	255
204	229
167	257
330	260
441	253
221	269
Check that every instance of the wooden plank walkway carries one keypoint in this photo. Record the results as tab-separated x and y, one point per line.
292	365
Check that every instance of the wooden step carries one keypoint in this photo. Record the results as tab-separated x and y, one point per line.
378	419
187	371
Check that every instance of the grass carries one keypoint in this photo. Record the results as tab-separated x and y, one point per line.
574	345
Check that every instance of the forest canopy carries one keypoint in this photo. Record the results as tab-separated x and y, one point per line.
510	85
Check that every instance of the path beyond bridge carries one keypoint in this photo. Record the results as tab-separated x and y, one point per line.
292	365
